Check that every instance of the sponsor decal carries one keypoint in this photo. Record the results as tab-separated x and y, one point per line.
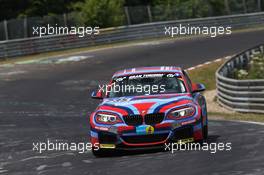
144	76
145	129
108	146
143	112
187	140
101	128
150	130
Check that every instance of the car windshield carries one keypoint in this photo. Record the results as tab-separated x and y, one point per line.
146	84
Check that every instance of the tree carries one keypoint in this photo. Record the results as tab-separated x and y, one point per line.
102	13
137	2
11	9
217	7
46	7
179	9
31	8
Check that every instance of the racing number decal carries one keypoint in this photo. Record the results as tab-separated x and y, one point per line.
150	130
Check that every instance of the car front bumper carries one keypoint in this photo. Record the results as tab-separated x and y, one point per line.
131	137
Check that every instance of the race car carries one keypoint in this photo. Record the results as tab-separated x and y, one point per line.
148	107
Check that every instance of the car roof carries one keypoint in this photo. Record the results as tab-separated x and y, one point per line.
146	70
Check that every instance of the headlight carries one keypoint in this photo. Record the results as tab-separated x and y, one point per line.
107	118
181	113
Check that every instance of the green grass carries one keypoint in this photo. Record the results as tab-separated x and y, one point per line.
205	75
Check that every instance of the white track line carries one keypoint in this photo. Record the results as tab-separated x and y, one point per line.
209	62
218	60
191	68
250	122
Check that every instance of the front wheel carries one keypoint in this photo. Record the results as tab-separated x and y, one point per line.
205	132
98	152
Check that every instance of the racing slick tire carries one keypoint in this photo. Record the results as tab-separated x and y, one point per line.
98	152
204	132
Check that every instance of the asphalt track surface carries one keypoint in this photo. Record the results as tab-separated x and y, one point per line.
51	101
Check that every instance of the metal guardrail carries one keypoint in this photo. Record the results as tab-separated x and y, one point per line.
240	95
19	47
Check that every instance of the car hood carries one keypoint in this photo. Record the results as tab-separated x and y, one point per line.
145	104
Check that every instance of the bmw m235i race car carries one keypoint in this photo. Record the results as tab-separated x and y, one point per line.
148	107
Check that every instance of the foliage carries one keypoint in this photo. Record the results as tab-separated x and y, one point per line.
103	13
107	13
179	9
255	69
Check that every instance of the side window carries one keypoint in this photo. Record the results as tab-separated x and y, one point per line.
189	82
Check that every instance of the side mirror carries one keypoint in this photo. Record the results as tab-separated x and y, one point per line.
197	87
97	95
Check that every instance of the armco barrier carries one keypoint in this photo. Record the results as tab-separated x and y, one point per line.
19	47
240	95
